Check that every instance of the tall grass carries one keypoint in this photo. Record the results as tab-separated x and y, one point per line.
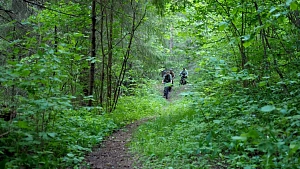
233	131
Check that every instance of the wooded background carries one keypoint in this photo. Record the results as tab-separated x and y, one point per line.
67	54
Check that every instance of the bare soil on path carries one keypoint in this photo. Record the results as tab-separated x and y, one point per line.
113	153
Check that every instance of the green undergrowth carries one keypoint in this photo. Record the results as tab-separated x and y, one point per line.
133	108
227	130
68	135
67	139
168	141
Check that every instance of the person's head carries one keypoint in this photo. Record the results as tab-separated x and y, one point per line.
171	70
168	72
183	68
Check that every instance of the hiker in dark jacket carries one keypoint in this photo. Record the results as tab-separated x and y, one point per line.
184	73
167	78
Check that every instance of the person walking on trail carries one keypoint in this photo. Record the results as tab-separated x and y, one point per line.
167	78
184	73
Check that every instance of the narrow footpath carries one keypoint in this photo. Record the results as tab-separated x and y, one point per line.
113	153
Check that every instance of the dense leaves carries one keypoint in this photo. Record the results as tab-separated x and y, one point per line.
244	104
45	78
241	109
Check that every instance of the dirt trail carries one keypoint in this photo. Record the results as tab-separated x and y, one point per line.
113	153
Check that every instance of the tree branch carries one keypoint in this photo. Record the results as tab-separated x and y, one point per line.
3	134
50	9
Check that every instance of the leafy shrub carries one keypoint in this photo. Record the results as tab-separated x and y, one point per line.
65	143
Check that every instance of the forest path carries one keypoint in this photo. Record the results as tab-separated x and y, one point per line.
113	153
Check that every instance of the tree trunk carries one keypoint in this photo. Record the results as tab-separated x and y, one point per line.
102	76
93	52
134	26
266	45
235	31
110	56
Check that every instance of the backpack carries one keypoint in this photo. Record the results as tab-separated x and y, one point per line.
167	78
163	73
173	75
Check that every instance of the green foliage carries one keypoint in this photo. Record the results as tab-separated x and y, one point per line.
243	111
224	125
235	131
70	135
145	103
167	141
77	133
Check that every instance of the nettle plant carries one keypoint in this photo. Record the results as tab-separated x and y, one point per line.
38	80
253	126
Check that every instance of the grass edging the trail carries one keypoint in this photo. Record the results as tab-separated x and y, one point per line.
170	140
220	131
